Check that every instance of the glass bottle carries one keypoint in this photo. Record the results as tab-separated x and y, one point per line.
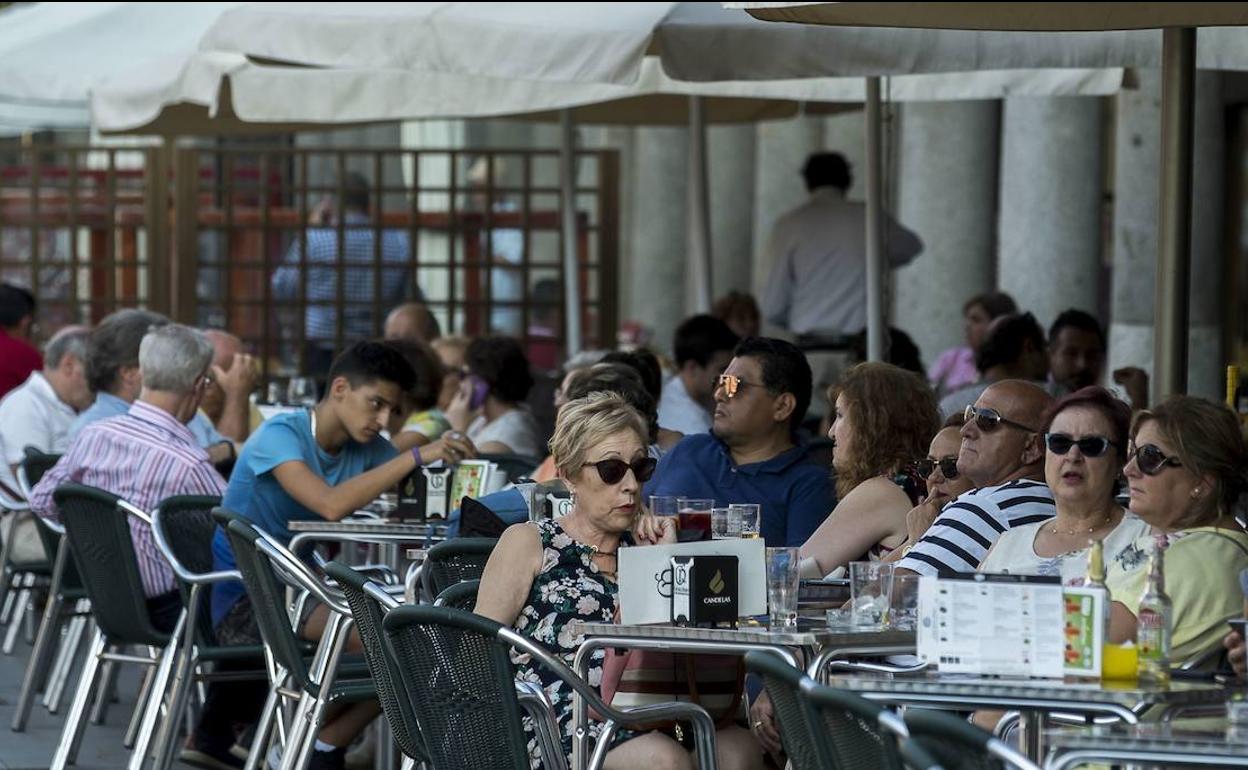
1154	623
1096	579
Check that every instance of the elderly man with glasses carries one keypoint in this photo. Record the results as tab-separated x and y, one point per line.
751	454
1002	452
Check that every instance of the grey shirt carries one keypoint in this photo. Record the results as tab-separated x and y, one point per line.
818	253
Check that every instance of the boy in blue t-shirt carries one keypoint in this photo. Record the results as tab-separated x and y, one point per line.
326	462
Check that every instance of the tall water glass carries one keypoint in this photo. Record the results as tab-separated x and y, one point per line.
782	583
903	606
301	391
745	519
662	505
870	590
719	524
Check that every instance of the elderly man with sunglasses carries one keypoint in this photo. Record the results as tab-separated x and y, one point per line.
750	455
1002	453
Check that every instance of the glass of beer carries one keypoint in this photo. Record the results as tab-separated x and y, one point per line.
745	519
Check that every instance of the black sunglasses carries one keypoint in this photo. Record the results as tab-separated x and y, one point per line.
1151	460
988	420
948	467
612	471
1090	446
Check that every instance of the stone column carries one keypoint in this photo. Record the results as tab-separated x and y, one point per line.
731	170
1049	227
655	243
1136	184
947	193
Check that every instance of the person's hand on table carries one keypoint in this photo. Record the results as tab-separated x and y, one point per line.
452	447
1235	652
763	724
653	530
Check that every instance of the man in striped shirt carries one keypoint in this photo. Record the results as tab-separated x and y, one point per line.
147	454
1003	454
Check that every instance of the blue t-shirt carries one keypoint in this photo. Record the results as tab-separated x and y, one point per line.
255	494
796	494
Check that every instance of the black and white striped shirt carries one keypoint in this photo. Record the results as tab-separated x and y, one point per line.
960	537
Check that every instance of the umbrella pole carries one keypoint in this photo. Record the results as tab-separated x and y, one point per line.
875	225
1178	97
567	198
699	223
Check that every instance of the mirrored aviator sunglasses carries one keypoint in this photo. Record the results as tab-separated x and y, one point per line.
1152	461
612	471
1090	446
948	467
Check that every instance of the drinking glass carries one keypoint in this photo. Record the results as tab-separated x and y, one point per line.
782	584
695	517
719	524
301	391
903	607
744	519
870	590
662	505
274	392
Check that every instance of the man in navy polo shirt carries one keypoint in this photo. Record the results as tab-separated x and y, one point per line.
750	455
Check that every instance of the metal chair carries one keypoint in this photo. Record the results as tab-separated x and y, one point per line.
18	606
183	528
17	579
97	531
917	757
456	670
461	596
860	732
454	561
265	566
794	718
959	745
368	603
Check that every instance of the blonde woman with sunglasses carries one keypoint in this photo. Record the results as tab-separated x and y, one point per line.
1085	437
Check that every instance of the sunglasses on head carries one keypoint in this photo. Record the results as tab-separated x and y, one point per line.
948	467
612	471
1089	446
1151	460
988	420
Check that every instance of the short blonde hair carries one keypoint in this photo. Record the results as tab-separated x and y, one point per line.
585	422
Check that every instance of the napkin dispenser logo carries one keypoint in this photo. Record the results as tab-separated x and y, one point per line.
704	590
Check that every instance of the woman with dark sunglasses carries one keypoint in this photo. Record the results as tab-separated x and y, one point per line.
1085	447
944	481
544	575
1185	475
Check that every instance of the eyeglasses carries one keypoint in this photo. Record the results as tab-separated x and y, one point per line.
612	471
948	467
1152	461
988	420
1090	446
731	383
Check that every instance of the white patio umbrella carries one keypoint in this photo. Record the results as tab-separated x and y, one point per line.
1178	65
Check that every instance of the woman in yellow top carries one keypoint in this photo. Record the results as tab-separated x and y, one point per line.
1186	471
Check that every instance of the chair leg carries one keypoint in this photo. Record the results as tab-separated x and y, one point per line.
80	626
37	667
155	700
19	614
260	744
104	693
6	596
75	721
146	684
58	662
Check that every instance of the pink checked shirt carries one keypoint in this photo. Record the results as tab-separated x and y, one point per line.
143	457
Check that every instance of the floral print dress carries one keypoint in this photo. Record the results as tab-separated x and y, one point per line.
568	587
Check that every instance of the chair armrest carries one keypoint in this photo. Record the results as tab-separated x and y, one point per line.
883	668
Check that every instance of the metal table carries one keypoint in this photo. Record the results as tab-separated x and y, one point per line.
1033	697
806	638
1162	744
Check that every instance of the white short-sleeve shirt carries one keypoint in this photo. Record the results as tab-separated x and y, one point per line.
32	415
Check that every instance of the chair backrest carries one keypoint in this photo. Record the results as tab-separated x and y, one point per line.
806	750
860	733
959	745
515	466
183	527
461	596
917	757
34	465
369	615
268	599
455	561
460	684
97	528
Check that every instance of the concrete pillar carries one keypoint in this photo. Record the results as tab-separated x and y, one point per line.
731	167
656	239
782	147
947	193
1136	185
1049	224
